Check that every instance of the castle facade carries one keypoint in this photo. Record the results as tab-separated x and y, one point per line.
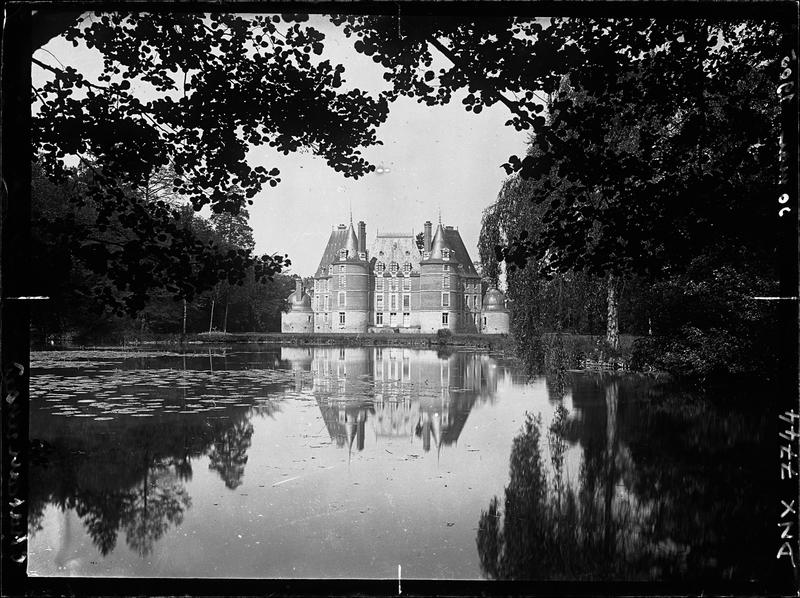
396	285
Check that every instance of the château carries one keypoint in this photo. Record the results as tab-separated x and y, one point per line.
396	285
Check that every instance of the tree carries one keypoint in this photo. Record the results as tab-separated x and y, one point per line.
646	165
222	83
636	127
649	174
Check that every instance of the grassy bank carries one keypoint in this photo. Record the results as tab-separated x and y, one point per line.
550	351
478	341
481	341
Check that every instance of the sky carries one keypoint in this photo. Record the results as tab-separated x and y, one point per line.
439	159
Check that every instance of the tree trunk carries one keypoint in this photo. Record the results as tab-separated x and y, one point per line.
225	319
612	326
184	317
612	400
211	319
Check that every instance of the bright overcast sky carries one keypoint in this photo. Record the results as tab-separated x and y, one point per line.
439	157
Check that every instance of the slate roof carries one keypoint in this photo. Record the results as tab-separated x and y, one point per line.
336	241
398	248
438	243
351	244
450	238
394	247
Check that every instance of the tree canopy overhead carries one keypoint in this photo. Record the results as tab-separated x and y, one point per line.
629	117
189	94
218	83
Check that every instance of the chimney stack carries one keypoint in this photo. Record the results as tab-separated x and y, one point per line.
428	226
362	237
298	288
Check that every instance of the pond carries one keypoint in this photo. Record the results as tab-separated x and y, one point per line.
346	462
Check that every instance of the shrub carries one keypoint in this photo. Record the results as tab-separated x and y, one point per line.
692	354
443	335
215	335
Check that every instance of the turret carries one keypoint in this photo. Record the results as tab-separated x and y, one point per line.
495	318
300	316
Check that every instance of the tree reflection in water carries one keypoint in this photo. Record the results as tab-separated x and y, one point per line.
131	478
665	490
228	455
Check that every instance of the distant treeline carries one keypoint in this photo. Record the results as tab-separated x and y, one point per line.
100	289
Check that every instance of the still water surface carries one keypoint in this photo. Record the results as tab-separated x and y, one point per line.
347	462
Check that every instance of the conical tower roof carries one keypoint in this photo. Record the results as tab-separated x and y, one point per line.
439	242
351	243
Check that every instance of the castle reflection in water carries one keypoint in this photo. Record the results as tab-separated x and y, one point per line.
395	392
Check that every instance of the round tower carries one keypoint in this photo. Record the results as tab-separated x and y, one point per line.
438	287
300	317
350	285
495	318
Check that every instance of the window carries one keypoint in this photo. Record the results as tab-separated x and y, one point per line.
393	302
475	301
342	295
393	284
445	299
343	254
406	268
466	301
380	267
445	318
407	283
445	254
484	321
406	301
445	267
309	319
379	301
393	268
342	281
341	268
379	283
379	318
327	304
445	281
341	318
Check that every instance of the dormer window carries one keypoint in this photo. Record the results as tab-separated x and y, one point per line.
380	267
393	268
343	254
406	268
426	255
445	254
